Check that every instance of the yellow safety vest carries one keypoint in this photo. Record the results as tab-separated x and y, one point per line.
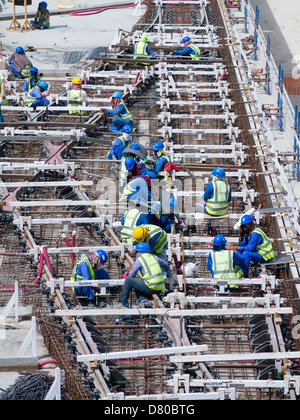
223	265
162	239
140	51
2	79
123	142
218	204
75	94
123	172
127	190
131	218
30	99
76	277
127	115
265	249
153	276
197	52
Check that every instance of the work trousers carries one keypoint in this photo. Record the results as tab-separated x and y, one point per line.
142	291
251	256
118	124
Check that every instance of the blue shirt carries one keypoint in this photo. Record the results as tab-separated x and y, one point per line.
83	270
118	147
250	245
138	266
120	109
186	50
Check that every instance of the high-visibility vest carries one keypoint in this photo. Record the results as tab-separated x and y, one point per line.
265	249
2	79
30	99
123	172
140	51
128	189
127	115
196	50
25	71
29	86
76	277
75	94
131	218
218	204
162	239
223	265
153	276
123	142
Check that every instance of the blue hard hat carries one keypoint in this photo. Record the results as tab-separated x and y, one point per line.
129	163
158	146
44	4
135	146
34	70
143	247
43	84
103	256
19	49
218	172
186	39
127	129
173	202
219	240
247	218
117	94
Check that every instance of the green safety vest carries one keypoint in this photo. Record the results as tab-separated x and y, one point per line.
223	265
266	248
127	115
123	172
128	189
26	71
75	94
140	51
153	276
2	79
161	241
30	99
29	83
131	218
196	50
76	277
218	204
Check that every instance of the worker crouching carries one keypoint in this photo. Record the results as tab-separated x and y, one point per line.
35	98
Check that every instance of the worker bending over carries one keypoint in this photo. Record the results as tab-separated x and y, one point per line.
152	279
254	245
120	144
119	112
2	96
138	186
217	194
20	64
76	93
31	81
142	50
161	159
42	17
223	263
190	49
35	98
155	236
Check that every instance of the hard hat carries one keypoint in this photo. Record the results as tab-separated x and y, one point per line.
43	84
247	218
34	70
140	233
218	172
127	129
103	256
173	202
44	4
129	163
186	39
135	146
158	146
117	94
76	81
142	247
144	38
219	240
19	49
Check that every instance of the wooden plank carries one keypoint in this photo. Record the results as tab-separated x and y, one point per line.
18	364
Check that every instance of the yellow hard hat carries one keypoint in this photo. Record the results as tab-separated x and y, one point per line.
76	81
140	233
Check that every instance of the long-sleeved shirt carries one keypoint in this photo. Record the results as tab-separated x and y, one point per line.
138	266
250	244
84	270
185	51
237	260
118	147
120	109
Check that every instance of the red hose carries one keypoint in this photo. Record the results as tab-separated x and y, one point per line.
69	246
41	266
96	10
45	252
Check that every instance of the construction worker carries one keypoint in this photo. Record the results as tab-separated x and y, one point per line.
161	159
89	268
42	17
254	245
138	186
152	279
32	80
190	49
142	50
76	93
121	142
2	96
217	194
20	64
119	112
35	98
155	236
130	219
223	263
123	171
